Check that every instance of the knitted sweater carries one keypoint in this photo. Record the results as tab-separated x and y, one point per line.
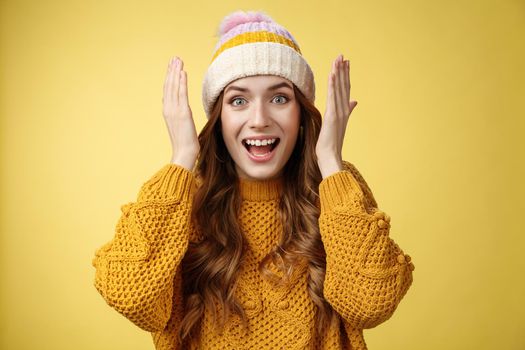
138	272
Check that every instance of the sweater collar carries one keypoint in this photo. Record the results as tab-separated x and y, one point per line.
261	190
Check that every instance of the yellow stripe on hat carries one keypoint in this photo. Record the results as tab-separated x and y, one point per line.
255	37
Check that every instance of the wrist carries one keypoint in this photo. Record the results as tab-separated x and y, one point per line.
329	166
185	162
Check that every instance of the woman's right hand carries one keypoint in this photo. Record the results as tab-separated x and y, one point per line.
178	116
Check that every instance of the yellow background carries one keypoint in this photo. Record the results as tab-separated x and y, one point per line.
438	134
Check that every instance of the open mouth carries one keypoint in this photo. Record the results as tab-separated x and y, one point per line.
260	148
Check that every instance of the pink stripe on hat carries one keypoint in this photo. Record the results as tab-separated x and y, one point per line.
254	27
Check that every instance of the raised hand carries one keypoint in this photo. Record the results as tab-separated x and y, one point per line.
338	109
178	116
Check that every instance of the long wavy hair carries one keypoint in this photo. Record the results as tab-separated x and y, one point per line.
210	267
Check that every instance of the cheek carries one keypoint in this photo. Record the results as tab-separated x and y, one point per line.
229	130
293	124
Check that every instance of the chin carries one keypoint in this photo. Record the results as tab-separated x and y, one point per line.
261	175
258	174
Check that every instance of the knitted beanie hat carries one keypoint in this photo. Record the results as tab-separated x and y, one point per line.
252	43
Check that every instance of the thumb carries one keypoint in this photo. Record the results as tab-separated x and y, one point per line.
353	104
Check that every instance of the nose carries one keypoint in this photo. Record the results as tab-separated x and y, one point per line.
260	118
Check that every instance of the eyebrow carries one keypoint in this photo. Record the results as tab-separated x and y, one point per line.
273	87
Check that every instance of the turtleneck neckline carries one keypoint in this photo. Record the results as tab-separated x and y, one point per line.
261	190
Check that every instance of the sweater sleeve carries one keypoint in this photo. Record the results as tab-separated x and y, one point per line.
367	273
138	271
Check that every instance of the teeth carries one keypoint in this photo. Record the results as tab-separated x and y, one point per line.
260	142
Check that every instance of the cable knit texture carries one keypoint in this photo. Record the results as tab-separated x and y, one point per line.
138	272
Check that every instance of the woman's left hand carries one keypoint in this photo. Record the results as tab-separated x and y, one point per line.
338	108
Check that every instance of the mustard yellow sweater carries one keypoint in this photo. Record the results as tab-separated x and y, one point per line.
138	272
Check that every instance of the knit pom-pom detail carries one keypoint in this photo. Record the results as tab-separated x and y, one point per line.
240	17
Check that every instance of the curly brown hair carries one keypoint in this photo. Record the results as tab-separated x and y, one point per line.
210	266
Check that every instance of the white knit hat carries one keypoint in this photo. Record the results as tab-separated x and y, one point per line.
252	43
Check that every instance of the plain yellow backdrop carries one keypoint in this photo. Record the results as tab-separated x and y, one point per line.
438	134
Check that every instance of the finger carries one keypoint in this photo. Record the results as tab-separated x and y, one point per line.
338	88
181	81
347	79
337	104
350	84
330	107
342	79
344	93
168	82
164	86
335	107
342	98
183	91
176	80
353	104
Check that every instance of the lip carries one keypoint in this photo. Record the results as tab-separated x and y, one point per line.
265	158
260	137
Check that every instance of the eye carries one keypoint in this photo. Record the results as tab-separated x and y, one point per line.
232	102
282	98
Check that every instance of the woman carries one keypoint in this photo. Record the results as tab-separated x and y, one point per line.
257	234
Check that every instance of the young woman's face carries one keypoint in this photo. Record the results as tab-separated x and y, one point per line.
260	123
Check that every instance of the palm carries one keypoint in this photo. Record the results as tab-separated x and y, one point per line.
338	109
